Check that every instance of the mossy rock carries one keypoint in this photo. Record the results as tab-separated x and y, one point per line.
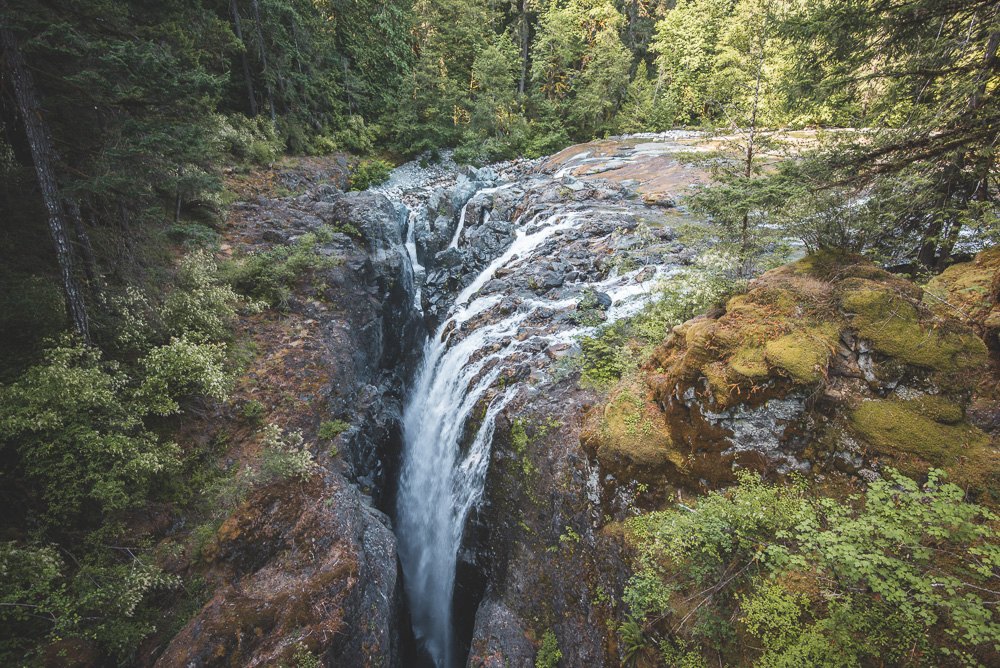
894	327
749	363
814	275
631	438
803	355
895	427
966	287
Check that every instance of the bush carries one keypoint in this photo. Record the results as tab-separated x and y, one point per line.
899	573
370	173
549	655
284	455
253	411
72	429
616	350
331	429
200	306
44	598
250	140
268	275
181	369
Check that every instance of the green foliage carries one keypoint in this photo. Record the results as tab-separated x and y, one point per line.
304	658
549	655
268	275
330	429
283	455
179	370
253	411
370	173
101	599
249	140
199	307
819	581
71	427
615	351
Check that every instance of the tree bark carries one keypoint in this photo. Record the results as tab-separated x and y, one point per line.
72	210
243	57
523	29
44	155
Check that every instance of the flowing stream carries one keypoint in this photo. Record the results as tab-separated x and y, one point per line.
442	478
439	485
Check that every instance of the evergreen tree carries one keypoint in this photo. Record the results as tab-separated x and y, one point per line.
925	69
605	74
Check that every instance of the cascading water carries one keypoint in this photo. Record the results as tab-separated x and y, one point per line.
438	486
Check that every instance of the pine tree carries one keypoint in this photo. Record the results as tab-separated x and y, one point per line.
927	69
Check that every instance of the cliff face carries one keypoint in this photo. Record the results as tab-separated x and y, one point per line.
307	566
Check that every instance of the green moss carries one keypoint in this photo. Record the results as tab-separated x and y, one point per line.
904	427
633	436
894	328
749	363
803	355
939	409
965	288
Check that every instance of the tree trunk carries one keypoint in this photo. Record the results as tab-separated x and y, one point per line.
243	57
263	58
44	155
72	210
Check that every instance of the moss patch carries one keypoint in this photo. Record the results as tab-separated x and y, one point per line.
631	438
804	355
966	287
905	427
749	362
894	327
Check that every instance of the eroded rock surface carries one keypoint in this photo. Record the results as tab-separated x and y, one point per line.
304	566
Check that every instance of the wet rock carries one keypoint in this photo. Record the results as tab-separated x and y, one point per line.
500	639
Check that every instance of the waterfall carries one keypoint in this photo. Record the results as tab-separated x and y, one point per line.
439	484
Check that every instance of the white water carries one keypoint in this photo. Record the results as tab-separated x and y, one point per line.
461	226
439	485
418	269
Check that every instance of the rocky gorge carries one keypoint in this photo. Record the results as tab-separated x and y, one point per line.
476	497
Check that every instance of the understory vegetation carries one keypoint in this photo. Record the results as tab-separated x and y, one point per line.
87	442
903	575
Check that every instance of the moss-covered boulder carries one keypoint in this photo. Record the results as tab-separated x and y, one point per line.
928	428
825	364
627	436
970	293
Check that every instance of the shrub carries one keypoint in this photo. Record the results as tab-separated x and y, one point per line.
370	173
180	369
200	306
253	411
250	140
283	456
903	571
549	654
43	597
268	275
331	429
73	430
